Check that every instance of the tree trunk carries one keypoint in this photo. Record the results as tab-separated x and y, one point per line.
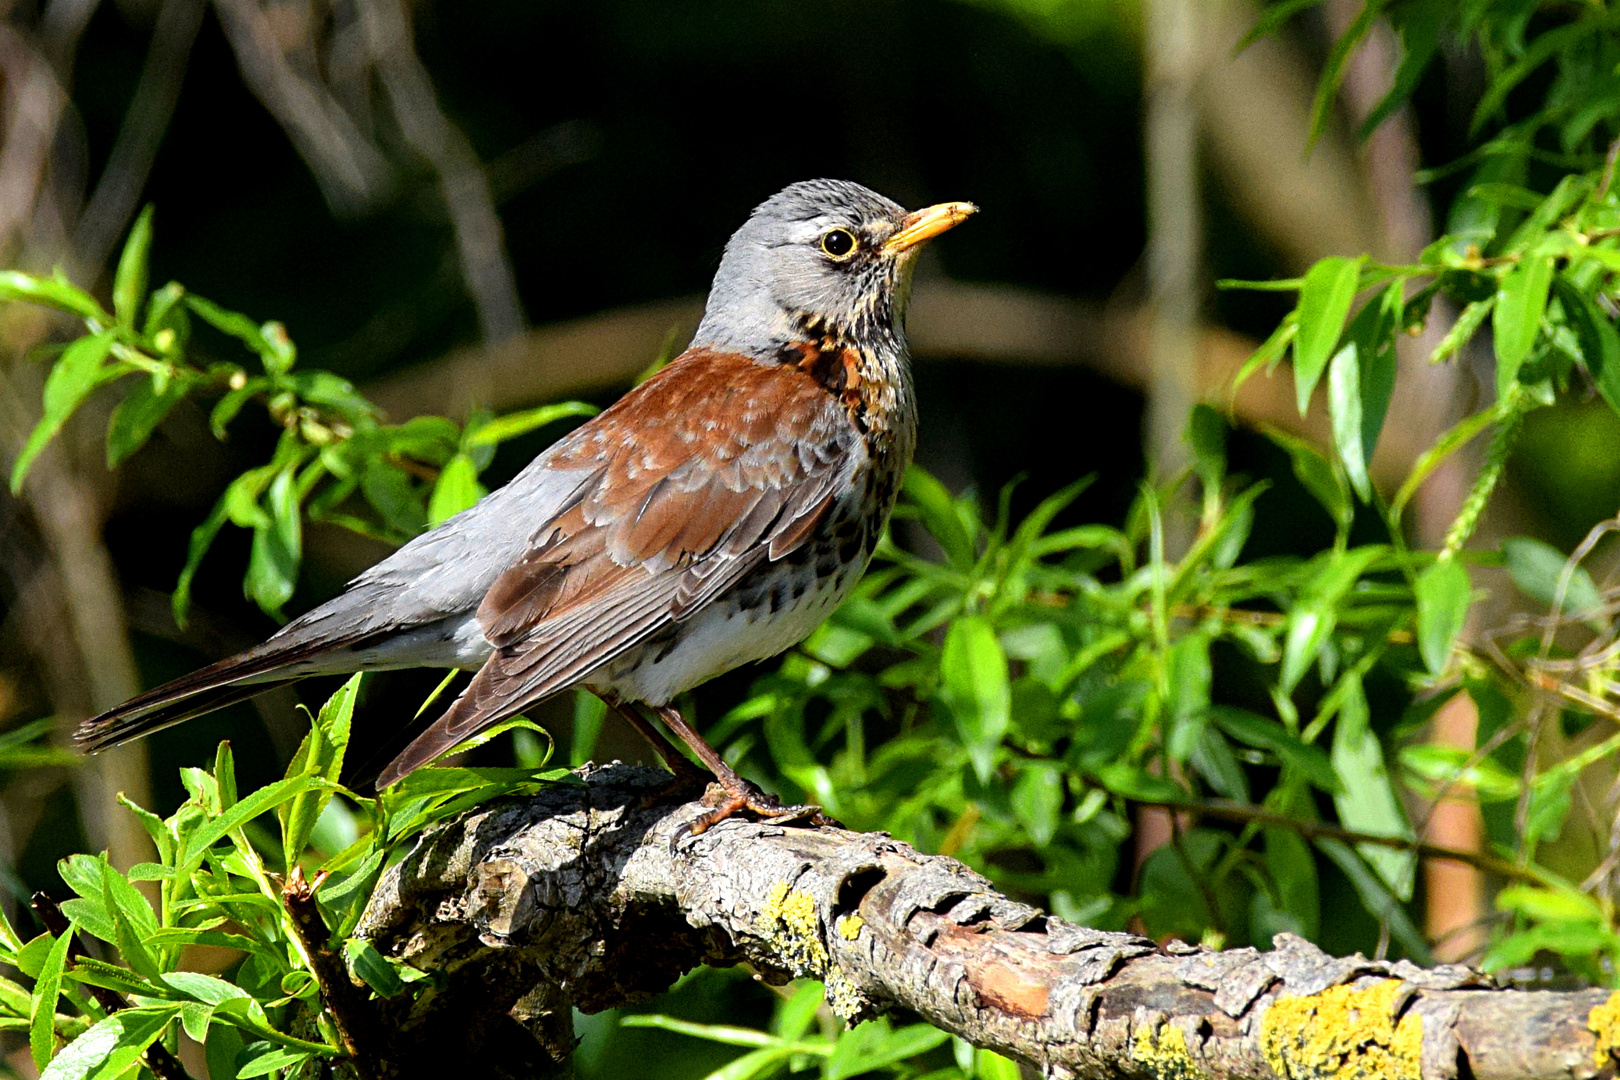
583	896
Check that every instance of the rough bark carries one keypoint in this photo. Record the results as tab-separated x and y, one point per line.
585	896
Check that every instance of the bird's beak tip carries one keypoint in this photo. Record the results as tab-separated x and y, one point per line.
927	223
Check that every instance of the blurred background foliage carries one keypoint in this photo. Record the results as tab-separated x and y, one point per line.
478	210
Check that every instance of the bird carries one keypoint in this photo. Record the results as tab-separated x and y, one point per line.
713	516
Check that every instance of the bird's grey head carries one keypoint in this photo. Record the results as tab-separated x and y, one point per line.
818	258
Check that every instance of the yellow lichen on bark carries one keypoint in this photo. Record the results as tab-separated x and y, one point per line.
1604	1024
1343	1032
1163	1050
789	922
849	926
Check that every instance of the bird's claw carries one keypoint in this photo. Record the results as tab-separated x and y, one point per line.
726	803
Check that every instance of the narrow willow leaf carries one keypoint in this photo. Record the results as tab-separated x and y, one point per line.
1444	595
512	425
320	754
1457	436
139	414
57	293
1366	801
1536	568
975	688
1324	304
112	1046
47	990
940	516
129	281
1600	342
1326	483
202	538
77	372
1521	301
456	489
278	547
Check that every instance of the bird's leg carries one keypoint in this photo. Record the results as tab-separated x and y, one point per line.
740	795
685	772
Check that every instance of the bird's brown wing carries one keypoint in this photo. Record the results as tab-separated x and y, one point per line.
710	468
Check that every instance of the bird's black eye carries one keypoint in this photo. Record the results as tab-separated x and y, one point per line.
838	243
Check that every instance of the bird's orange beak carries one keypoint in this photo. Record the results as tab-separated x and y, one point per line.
927	223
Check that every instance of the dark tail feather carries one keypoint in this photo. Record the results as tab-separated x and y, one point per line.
210	688
115	728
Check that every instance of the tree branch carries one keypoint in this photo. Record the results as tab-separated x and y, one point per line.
580	897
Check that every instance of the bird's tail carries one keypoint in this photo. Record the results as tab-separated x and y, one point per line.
233	679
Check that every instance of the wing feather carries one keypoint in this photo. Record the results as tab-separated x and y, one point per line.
698	477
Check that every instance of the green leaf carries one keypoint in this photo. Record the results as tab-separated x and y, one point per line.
874	1045
391	494
1541	49
56	292
1378	901
456	489
1443	598
139	414
129	282
512	425
237	326
939	515
195	1018
320	754
1255	730
223	1048
1319	477
975	688
1419	26
795	1015
1272	19
265	1064
205	988
1361	381
202	538
1293	871
726	1034
262	801
1457	436
1536	568
97	973
278	547
77	372
1600	343
1521	302
1312	620
1366	801
112	1046
1037	799
1324	303
372	967
47	990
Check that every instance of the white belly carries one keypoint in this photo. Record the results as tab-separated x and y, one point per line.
720	637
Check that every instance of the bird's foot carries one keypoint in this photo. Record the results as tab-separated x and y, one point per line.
733	795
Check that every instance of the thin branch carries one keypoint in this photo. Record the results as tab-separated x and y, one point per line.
119	191
465	189
1316	830
351	1012
352	173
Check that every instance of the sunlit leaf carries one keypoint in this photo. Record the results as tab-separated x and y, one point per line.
974	686
1444	595
1324	304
